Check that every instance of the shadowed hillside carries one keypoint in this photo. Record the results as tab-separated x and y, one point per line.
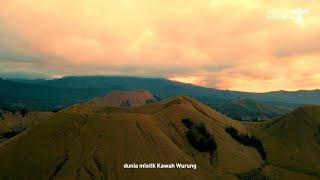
14	122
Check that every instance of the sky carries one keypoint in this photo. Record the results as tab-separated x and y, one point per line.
245	45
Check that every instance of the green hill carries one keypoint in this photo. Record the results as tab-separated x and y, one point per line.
250	110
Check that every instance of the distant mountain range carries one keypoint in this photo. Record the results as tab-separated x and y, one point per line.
54	94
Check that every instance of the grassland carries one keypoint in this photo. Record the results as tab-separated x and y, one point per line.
85	142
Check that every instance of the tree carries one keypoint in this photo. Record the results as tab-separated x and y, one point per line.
198	136
247	140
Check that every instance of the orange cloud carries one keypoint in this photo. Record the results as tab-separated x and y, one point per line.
223	44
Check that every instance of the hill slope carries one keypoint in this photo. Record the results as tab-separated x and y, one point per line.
123	99
292	141
92	142
81	141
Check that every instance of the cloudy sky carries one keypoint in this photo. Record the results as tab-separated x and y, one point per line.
246	45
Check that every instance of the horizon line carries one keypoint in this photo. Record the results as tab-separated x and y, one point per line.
146	77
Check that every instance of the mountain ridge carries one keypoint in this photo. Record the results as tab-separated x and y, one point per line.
60	93
152	78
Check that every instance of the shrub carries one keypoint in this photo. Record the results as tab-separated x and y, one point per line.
247	140
156	98
149	101
55	110
318	134
23	112
12	133
12	110
187	122
199	138
125	104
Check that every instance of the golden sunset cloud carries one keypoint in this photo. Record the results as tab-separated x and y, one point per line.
245	45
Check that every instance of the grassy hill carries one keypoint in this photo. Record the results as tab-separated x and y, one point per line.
250	110
292	141
83	142
118	98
